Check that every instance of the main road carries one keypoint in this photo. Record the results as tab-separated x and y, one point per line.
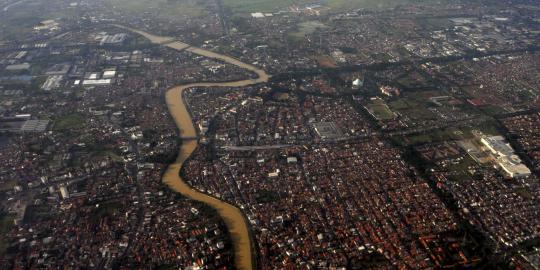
234	219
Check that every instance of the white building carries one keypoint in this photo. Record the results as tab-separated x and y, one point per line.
96	82
497	145
64	192
357	83
505	157
108	74
257	15
514	169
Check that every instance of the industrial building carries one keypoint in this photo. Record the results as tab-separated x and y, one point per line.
18	67
113	39
513	167
505	156
52	82
35	126
108	74
497	145
92	82
23	124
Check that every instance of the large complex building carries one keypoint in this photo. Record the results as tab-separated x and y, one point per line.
52	82
23	124
505	156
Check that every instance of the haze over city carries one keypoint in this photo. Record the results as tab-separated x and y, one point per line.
257	134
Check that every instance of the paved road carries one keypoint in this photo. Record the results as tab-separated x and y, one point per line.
235	220
259	147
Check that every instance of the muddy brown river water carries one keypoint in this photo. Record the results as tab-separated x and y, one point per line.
235	220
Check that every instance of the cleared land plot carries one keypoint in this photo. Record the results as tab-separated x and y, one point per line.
8	185
326	61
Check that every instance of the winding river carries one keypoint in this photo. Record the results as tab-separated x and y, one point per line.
233	217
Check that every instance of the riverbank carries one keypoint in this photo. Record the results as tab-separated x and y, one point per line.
235	220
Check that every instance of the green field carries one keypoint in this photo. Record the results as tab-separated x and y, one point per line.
399	104
415	109
368	4
164	9
70	121
447	134
247	6
19	21
487	127
306	28
380	110
492	109
6	222
450	134
107	209
266	196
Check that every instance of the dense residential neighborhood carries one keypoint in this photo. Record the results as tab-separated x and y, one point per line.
301	137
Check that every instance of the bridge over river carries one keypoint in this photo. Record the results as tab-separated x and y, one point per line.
235	220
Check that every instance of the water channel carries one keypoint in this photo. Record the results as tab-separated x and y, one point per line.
235	220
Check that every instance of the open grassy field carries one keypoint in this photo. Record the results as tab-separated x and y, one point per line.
435	136
70	121
306	28
6	222
163	8
19	20
247	6
326	61
380	110
106	209
414	109
450	134
369	4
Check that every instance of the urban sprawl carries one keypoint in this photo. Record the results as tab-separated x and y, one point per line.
394	138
